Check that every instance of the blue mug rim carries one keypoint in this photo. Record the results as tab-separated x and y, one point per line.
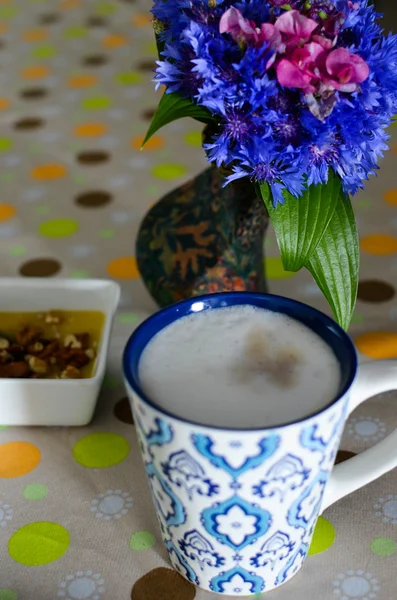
321	324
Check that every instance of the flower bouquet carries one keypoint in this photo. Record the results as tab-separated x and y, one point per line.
296	97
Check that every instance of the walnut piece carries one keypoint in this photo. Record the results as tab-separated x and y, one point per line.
71	341
4	343
37	365
70	373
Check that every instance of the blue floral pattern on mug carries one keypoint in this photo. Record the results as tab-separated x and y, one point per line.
237	510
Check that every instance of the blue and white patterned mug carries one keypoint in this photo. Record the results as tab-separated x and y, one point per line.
237	508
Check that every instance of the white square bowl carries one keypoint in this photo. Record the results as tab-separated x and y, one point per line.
56	401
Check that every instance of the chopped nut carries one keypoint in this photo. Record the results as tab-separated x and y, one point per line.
4	343
84	339
71	341
90	353
37	365
27	336
35	348
52	319
70	373
53	360
5	356
15	370
50	349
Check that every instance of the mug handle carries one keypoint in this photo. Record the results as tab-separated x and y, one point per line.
373	378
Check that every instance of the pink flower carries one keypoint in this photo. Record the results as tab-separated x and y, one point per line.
240	29
296	27
343	70
302	58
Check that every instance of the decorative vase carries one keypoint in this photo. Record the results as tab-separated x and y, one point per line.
203	238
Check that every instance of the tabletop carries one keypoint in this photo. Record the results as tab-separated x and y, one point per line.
76	519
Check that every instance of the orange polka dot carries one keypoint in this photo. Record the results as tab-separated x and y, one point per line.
124	267
114	41
48	172
378	344
141	19
18	458
390	197
154	143
90	129
80	81
69	4
3	28
36	72
35	35
379	244
4	103
7	211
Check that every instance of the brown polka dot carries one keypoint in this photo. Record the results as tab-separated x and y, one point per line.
40	267
95	60
373	290
93	199
96	21
93	157
28	123
146	65
34	93
163	583
49	18
122	411
148	114
343	455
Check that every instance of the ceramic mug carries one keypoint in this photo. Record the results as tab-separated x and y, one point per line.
237	508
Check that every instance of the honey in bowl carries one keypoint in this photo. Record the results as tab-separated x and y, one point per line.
58	344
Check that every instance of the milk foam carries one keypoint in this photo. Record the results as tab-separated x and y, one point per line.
239	367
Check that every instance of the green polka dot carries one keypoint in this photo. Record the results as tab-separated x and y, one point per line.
8	594
128	78
128	318
75	31
5	144
111	382
152	189
35	491
274	268
194	138
9	177
96	103
107	234
78	179
105	8
44	51
58	228
101	450
323	537
142	540
80	274
42	210
8	11
17	251
383	546
38	543
168	171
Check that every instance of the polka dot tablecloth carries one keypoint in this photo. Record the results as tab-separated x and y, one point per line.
76	521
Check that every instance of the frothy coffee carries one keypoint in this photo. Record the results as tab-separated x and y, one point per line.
239	367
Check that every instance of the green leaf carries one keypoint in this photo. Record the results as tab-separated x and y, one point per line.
174	106
335	262
300	223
